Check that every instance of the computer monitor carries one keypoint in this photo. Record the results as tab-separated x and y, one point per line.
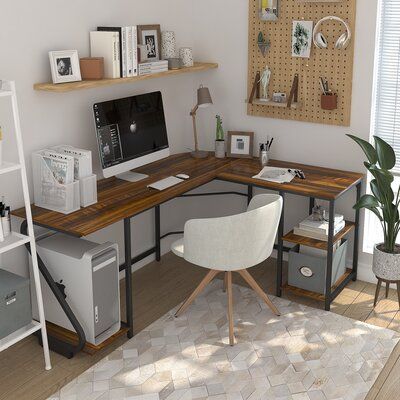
131	132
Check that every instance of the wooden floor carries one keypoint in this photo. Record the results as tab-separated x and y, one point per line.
157	288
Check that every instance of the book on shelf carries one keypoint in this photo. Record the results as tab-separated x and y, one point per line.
154	67
127	49
315	234
106	44
319	226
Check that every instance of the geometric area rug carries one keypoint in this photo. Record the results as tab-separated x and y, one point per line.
305	354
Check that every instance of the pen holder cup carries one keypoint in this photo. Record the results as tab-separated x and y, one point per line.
329	101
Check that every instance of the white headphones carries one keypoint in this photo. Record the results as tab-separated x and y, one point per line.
320	40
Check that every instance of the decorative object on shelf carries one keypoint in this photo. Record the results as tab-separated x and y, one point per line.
5	219
279	97
92	68
268	10
240	144
174	63
220	139
264	81
186	55
203	100
65	66
263	44
150	36
255	90
1	146
342	42
302	38
384	204
168	45
318	213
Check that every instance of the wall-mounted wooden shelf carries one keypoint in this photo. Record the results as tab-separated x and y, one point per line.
271	103
68	87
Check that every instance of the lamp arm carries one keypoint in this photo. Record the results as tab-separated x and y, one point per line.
193	114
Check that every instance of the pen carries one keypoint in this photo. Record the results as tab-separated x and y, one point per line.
270	144
321	82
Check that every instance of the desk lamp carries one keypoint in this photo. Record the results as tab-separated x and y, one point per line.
203	100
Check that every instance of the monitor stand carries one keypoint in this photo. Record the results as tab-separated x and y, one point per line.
131	176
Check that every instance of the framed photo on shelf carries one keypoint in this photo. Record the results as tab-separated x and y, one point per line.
64	66
240	144
150	36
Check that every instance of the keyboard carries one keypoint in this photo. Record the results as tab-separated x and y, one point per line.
165	183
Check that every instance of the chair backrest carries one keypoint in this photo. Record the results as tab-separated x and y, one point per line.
234	242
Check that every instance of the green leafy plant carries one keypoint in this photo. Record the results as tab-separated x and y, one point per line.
382	201
219	131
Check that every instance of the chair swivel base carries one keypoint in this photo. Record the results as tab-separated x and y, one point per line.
228	288
199	154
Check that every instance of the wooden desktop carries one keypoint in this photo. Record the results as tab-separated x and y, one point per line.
121	200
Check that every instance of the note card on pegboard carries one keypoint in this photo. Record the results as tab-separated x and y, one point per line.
333	65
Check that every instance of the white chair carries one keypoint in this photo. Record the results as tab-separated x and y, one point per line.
232	243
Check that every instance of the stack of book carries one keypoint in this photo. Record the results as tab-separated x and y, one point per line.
118	46
319	229
153	67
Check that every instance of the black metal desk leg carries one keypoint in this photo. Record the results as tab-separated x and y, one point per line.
328	283
157	225
356	235
280	249
249	193
311	205
128	276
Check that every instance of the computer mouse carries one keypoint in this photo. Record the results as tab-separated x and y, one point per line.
182	176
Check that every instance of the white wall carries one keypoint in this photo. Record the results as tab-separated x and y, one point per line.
218	32
221	35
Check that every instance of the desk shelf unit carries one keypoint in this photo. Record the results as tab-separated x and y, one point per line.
15	239
91	84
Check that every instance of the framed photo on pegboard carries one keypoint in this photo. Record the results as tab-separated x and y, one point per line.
288	54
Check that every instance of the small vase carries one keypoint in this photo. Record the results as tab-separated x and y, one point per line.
168	45
220	148
186	55
386	265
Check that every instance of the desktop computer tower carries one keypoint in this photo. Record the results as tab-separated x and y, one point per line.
90	273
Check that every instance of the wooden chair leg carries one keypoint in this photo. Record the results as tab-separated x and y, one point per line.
378	289
225	279
398	291
230	307
254	285
387	289
207	279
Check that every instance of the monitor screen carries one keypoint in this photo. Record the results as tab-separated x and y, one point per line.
130	128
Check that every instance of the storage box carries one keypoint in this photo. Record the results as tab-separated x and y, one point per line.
309	273
329	101
88	190
15	303
92	68
50	194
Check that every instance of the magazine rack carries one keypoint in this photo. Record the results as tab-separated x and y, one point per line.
50	194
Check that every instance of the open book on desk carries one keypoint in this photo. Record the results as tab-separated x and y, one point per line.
273	174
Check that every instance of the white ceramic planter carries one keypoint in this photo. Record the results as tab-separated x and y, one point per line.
386	265
220	148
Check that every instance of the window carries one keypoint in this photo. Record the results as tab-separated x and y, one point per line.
386	98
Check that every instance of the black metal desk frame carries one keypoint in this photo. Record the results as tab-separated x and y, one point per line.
69	350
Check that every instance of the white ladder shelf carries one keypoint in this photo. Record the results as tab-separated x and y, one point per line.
16	239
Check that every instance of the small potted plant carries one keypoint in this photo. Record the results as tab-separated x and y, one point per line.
384	203
220	139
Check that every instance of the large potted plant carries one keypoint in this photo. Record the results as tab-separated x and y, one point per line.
384	203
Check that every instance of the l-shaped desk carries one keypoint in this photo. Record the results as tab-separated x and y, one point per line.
121	200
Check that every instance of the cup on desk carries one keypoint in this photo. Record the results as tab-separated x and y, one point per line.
264	157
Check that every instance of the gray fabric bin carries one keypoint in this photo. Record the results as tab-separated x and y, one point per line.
15	303
315	282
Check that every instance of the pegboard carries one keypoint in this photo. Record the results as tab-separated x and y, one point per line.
332	64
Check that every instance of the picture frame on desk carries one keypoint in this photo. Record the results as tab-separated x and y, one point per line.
150	36
240	144
65	66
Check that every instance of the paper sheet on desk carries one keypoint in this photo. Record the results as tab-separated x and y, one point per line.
272	174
